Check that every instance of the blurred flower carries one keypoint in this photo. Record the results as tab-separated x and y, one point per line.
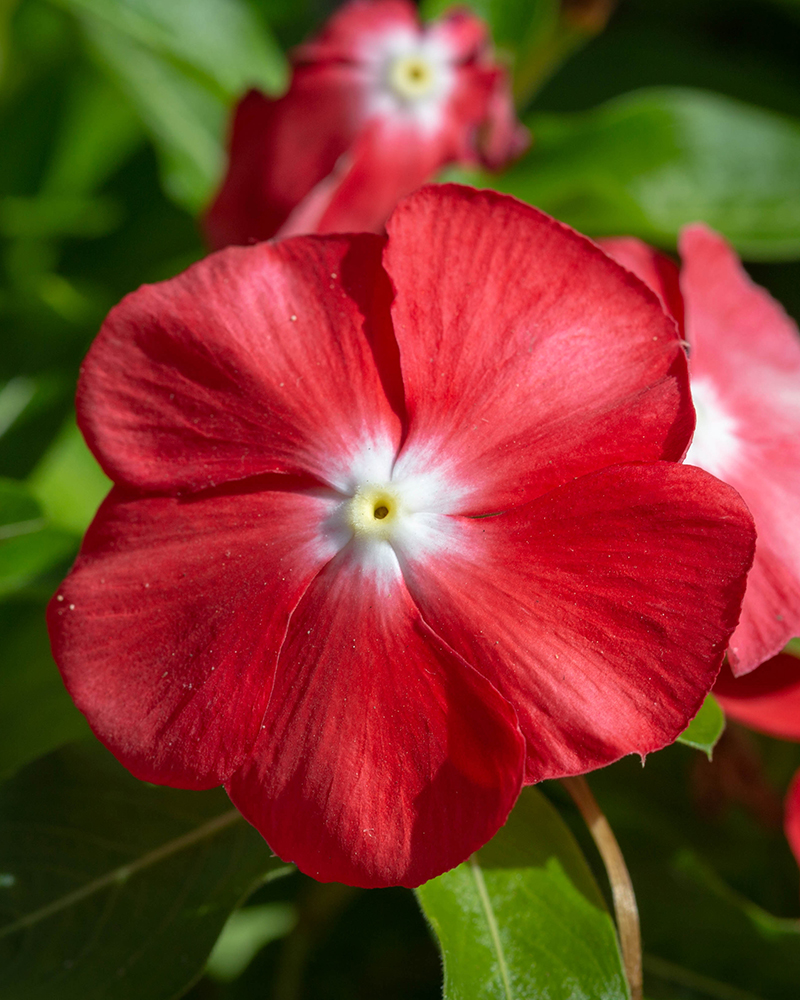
399	525
768	700
744	360
377	105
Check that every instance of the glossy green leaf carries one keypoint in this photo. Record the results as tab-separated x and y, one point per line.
524	917
649	162
36	713
110	887
29	544
706	727
68	482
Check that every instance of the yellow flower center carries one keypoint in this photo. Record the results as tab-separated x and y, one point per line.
411	77
374	511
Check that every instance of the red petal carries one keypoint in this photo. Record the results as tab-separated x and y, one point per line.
168	628
388	161
386	759
791	821
254	360
745	347
655	269
586	369
601	610
767	699
280	149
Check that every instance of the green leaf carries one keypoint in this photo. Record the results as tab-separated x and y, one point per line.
514	24
98	132
181	64
524	917
29	545
36	713
223	39
649	162
110	887
705	729
57	215
184	118
68	482
245	934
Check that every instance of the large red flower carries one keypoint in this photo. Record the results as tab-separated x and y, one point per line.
399	525
744	360
377	104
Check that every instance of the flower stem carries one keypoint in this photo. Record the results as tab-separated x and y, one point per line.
618	876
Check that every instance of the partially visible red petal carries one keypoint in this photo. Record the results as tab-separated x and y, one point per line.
601	610
767	699
255	360
465	35
529	357
791	820
655	269
385	758
501	137
389	160
168	628
745	351
280	149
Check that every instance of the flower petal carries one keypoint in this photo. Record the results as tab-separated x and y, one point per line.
601	610
791	820
767	699
655	269
528	356
385	758
280	149
255	360
745	367
168	628
388	161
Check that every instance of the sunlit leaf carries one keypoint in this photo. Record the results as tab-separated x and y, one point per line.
524	917
221	38
68	482
651	161
706	727
181	64
110	887
29	544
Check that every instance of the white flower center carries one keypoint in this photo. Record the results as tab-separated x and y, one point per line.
411	76
716	444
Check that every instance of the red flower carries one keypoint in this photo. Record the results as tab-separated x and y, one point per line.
377	105
398	526
744	360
